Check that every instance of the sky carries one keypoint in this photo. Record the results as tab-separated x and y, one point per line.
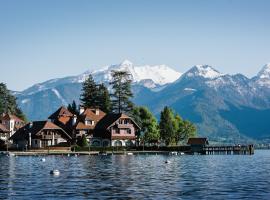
41	40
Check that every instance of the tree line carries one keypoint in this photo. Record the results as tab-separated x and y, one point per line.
8	103
171	128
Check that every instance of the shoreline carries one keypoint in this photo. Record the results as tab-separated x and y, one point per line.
72	153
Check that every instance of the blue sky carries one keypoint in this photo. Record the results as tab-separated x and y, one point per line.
40	40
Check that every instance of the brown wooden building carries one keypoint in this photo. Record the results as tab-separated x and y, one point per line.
40	134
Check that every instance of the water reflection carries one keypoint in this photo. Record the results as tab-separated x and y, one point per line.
136	177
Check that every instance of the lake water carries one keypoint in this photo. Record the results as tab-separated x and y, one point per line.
137	177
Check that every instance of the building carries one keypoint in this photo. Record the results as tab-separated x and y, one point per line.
100	129
197	144
86	122
4	135
115	130
63	118
11	122
39	134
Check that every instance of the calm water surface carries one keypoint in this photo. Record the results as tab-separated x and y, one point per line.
137	177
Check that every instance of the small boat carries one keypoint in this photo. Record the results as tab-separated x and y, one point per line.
42	159
129	154
167	161
182	153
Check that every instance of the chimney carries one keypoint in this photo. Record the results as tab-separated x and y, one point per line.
74	120
97	111
81	109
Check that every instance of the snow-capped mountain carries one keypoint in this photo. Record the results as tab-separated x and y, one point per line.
263	77
204	71
224	107
158	75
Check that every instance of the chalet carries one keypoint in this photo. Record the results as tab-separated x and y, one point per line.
11	122
39	134
63	118
100	129
115	130
197	144
87	121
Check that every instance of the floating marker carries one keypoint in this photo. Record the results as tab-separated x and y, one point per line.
55	172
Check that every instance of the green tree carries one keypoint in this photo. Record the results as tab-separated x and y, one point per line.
104	101
187	130
8	103
148	124
83	141
121	86
89	96
73	108
167	126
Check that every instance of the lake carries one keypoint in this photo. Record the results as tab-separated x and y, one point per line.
137	177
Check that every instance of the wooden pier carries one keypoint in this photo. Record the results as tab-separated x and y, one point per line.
229	150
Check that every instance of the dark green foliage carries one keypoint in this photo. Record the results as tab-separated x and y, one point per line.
183	129
148	124
104	100
174	129
73	108
8	103
167	126
83	141
121	85
89	94
95	95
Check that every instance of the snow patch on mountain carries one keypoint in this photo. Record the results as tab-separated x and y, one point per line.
204	71
263	77
159	74
190	89
25	101
55	91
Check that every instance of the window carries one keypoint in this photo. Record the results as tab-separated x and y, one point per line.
35	141
128	131
117	130
89	122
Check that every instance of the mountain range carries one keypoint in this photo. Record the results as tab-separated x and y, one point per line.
225	108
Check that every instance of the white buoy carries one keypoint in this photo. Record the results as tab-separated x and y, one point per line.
68	155
42	159
75	155
174	153
167	162
55	172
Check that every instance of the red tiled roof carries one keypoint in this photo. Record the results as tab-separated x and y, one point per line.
62	111
89	113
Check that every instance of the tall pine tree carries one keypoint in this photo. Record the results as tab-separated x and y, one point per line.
121	86
89	96
8	103
104	101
